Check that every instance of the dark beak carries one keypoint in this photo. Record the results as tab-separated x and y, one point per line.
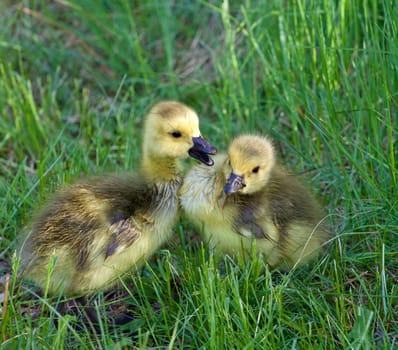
234	184
201	150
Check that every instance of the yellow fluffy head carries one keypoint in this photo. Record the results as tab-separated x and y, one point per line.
250	160
169	129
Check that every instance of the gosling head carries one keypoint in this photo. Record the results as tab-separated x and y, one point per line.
249	164
172	131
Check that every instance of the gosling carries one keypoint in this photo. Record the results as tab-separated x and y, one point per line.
247	202
94	231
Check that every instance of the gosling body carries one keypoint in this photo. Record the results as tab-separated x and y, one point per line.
247	202
94	231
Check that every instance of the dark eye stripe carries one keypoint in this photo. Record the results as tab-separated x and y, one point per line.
176	134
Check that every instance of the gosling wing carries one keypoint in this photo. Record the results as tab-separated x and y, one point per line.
123	235
129	198
248	220
283	201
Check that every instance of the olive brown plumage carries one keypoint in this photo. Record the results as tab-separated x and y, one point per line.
247	199
97	229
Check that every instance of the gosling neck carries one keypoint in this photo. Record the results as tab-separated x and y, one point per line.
160	169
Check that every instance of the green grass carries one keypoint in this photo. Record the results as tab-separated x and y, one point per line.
320	77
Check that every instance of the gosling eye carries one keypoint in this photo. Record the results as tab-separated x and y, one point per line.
176	134
255	170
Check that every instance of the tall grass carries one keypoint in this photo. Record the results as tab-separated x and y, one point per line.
320	77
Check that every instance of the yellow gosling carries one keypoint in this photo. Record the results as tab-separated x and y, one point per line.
248	201
95	230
